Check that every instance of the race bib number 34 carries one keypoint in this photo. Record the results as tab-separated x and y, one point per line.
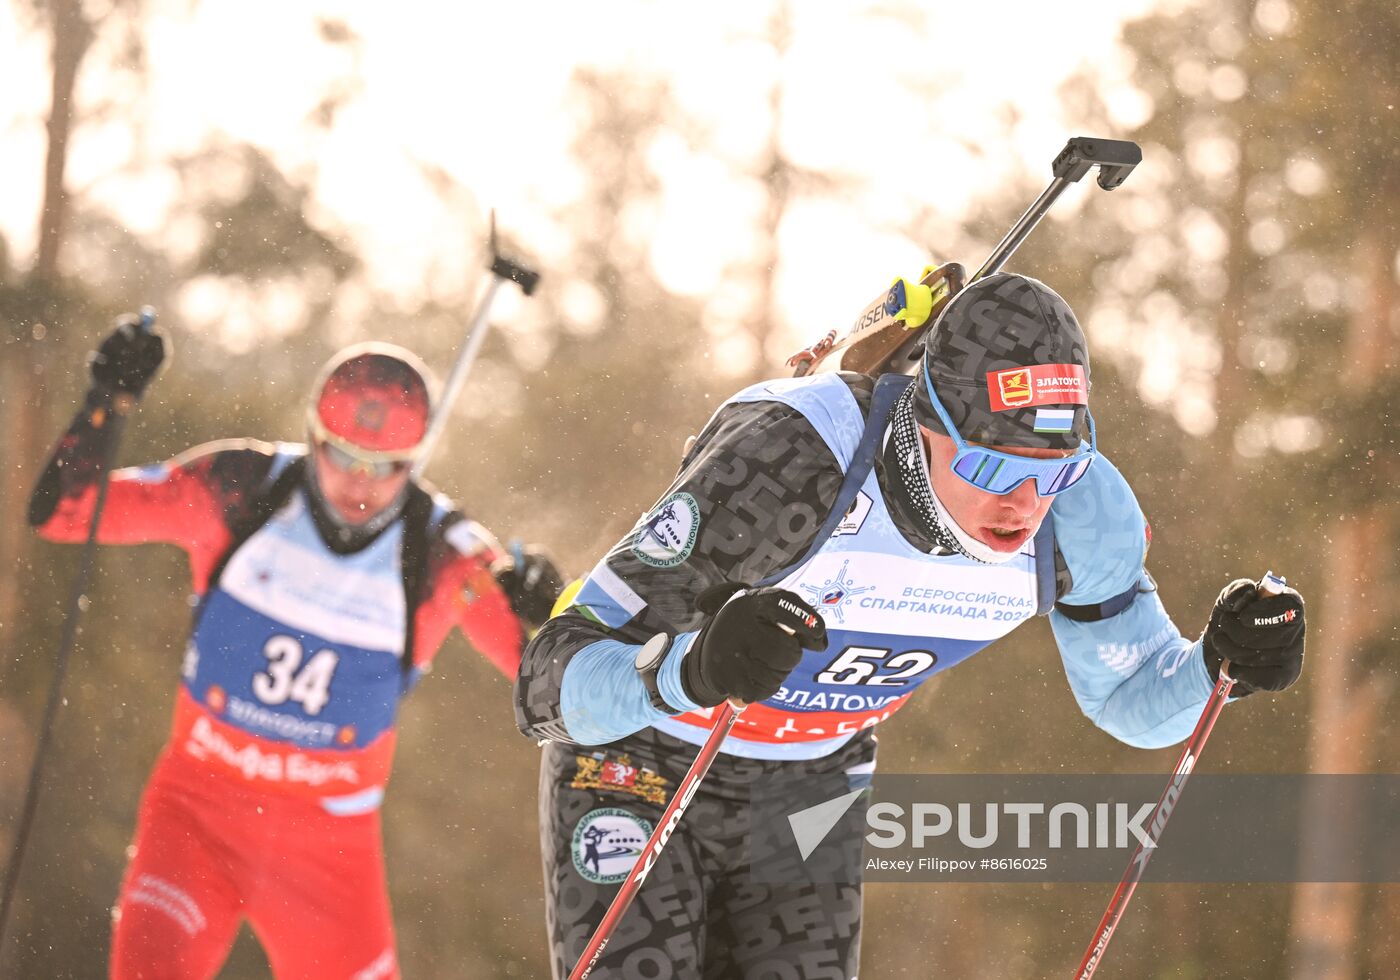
286	679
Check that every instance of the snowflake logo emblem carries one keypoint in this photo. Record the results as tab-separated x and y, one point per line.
832	594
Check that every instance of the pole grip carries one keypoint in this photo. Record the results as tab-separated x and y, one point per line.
1272	584
1269	584
146	321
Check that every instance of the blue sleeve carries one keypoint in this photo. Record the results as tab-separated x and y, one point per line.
603	699
1133	674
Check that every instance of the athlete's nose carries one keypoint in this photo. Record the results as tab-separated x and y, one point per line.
1023	500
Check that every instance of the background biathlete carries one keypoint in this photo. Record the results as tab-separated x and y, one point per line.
327	580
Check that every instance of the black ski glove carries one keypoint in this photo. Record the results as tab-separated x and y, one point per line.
743	650
129	358
1261	636
531	583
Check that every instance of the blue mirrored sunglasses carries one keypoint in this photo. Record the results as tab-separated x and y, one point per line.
994	472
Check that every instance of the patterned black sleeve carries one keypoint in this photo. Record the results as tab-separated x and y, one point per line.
754	489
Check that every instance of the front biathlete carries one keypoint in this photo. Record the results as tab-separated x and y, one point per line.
327	580
830	544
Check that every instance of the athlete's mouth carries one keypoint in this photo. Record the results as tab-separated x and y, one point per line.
1006	539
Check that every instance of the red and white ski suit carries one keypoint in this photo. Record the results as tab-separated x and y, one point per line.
264	804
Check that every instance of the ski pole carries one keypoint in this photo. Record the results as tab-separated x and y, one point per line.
728	714
1270	584
122	405
501	269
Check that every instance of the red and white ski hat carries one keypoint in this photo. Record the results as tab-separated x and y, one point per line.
372	397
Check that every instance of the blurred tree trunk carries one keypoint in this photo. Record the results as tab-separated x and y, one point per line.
777	174
25	400
1347	695
1233	402
784	182
72	36
1232	385
1385	940
1180	922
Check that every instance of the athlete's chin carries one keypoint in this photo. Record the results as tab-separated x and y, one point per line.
1006	541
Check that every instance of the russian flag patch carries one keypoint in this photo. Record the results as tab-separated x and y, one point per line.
1054	419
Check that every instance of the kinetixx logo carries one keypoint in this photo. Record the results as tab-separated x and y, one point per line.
1287	616
807	618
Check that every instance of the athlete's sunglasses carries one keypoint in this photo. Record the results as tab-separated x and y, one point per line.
1000	473
349	458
